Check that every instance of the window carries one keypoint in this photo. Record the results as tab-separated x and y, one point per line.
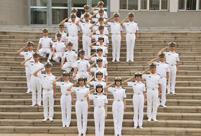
189	4
144	4
154	4
200	5
132	4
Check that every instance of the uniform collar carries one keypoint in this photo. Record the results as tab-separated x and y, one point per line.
138	82
58	41
66	82
118	88
49	74
45	37
83	87
82	59
131	21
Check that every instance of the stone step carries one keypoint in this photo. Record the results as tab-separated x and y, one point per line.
175	102
91	130
127	115
129	108
90	123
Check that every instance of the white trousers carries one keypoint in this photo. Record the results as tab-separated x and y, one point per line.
58	56
118	113
86	41
68	66
81	113
130	43
35	85
82	74
74	40
163	91
152	103
172	79
48	101
45	51
99	118
66	109
116	45
28	77
138	103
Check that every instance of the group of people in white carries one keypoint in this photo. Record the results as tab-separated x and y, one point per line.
64	50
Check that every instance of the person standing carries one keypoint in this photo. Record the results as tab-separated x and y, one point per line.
66	98
82	105
35	84
153	84
118	105
27	54
131	35
117	36
139	98
100	108
49	90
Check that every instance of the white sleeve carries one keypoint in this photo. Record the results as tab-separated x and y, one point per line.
130	83
66	24
105	100
110	89
107	41
53	45
91	96
106	74
124	95
40	41
144	88
22	53
93	70
73	89
144	76
51	41
58	83
178	58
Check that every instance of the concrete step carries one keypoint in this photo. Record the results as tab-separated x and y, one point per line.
127	115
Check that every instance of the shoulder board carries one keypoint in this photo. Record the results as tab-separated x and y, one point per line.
103	55
166	63
112	21
25	50
103	93
94	93
135	21
77	86
157	74
147	73
127	21
64	31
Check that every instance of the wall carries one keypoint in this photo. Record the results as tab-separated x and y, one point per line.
13	12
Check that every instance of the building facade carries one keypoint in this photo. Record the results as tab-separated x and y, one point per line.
148	13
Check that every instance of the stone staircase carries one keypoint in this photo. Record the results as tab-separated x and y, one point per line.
182	117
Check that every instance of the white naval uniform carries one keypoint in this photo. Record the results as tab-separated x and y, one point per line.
138	102
105	28
82	66
152	82
103	47
48	94
101	69
27	54
172	58
116	30
63	36
70	57
86	40
118	107
105	62
59	48
98	15
65	102
162	69
72	29
81	108
99	101
131	29
35	84
96	82
45	42
106	40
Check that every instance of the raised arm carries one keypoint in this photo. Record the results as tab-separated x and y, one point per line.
92	54
22	64
92	33
88	69
77	23
92	16
154	59
70	87
36	72
54	82
126	81
162	50
93	25
123	21
91	91
145	71
23	48
89	81
92	11
108	20
92	44
63	21
109	85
